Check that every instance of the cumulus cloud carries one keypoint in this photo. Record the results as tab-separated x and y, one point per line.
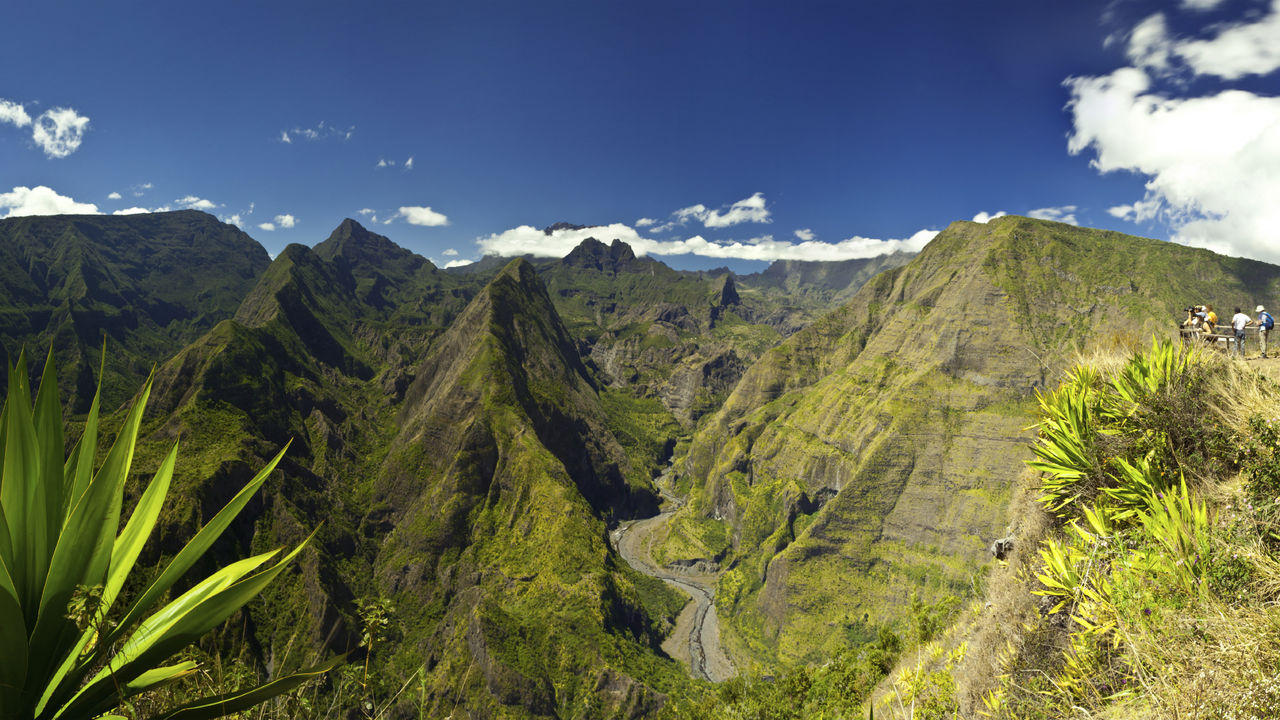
59	131
114	196
42	200
752	209
191	202
457	263
285	221
1063	214
1210	159
423	216
269	227
408	164
14	114
530	240
234	220
805	234
986	217
450	253
131	211
382	162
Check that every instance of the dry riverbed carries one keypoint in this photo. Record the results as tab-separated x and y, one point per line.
695	641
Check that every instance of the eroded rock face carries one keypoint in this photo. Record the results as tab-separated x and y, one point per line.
907	408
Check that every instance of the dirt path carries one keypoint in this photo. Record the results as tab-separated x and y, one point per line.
695	640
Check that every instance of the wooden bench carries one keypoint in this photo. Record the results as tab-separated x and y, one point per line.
1190	335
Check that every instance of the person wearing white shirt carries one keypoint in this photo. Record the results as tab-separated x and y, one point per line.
1239	322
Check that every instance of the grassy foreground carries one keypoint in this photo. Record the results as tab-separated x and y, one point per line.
1145	579
1147	574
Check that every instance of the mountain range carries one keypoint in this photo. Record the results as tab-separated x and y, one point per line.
847	434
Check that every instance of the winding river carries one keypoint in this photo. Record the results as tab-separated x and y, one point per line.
695	641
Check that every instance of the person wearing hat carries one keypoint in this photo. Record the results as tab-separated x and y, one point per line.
1265	323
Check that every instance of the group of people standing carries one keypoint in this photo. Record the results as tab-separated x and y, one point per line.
1202	318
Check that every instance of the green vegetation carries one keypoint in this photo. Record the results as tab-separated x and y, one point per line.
67	649
1148	587
147	284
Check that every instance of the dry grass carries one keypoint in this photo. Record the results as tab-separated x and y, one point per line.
1210	656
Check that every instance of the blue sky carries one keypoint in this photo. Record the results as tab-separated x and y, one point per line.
702	132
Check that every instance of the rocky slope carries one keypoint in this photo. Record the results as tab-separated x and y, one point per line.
456	449
870	456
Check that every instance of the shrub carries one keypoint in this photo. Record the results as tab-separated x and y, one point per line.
69	647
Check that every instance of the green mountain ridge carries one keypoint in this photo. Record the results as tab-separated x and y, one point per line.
870	456
441	460
466	440
146	284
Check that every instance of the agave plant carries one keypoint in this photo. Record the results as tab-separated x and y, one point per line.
70	646
1065	449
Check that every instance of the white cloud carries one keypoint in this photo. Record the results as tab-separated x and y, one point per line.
191	202
805	234
408	164
367	211
457	263
1064	214
131	211
269	227
14	114
42	200
114	196
1232	52
986	217
321	131
59	131
423	216
383	163
693	212
530	240
751	209
285	221
1201	4
1212	160
234	220
450	253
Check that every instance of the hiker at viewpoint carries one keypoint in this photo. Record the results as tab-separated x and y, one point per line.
1264	322
1210	317
1239	322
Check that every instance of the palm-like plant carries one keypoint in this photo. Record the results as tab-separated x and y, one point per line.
61	545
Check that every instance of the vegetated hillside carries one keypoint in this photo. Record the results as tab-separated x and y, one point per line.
496	492
315	357
1144	577
147	284
681	337
831	281
871	457
675	336
462	460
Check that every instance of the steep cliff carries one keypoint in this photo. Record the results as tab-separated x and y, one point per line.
870	456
